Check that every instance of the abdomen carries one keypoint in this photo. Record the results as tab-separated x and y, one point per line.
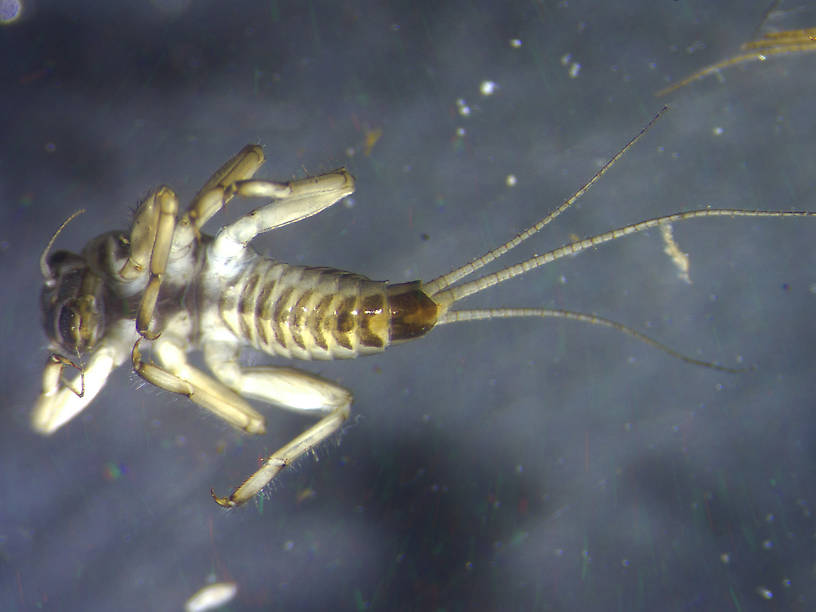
322	313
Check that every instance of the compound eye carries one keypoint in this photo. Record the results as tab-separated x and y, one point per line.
63	262
68	324
58	258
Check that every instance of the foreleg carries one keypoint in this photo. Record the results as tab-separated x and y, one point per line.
58	403
151	237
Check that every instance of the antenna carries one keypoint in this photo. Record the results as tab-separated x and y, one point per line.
47	273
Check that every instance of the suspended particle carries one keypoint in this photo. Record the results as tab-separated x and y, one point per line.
678	257
211	596
10	11
765	593
487	88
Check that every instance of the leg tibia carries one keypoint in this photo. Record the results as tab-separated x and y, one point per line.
177	376
294	202
286	387
212	197
284	457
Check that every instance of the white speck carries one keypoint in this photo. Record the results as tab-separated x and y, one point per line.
511	180
697	45
717	131
211	596
765	593
575	68
460	132
487	88
725	558
462	107
565	59
10	11
349	202
515	43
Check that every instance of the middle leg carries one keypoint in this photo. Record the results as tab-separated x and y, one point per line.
175	374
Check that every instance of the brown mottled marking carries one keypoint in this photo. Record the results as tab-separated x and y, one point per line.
262	310
280	315
300	312
245	301
315	318
345	315
345	322
412	312
374	321
372	304
246	308
371	340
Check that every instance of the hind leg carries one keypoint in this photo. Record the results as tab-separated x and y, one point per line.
290	389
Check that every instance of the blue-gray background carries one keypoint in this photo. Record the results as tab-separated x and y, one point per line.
530	465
